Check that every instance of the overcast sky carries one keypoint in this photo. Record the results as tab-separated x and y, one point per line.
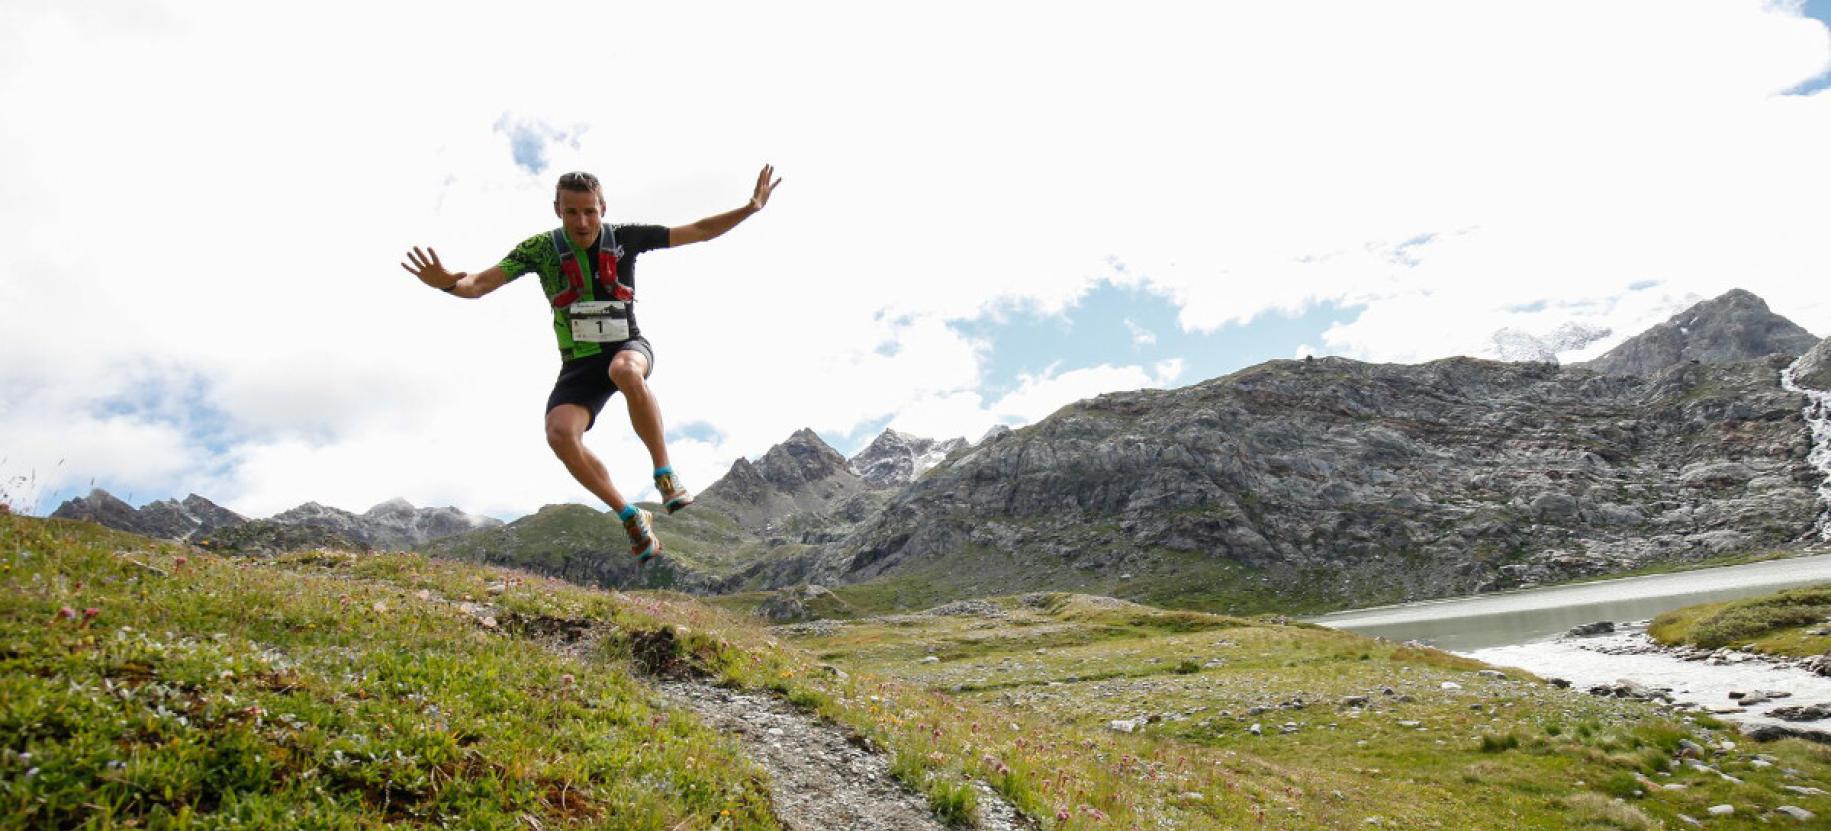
990	210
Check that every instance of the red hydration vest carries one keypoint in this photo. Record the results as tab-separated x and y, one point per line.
575	278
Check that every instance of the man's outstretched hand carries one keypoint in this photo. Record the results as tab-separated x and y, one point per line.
427	267
764	187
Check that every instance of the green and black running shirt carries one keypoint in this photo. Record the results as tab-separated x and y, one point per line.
537	254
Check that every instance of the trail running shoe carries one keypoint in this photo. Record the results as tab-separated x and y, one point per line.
674	495
642	541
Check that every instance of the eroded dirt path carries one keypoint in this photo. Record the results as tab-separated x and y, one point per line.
820	778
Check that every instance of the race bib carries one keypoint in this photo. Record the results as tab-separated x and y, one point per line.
599	321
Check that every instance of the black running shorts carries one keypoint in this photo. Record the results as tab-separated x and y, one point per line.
586	381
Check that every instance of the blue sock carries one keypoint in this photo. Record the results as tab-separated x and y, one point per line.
627	512
664	471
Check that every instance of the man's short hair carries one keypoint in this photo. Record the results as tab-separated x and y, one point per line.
579	181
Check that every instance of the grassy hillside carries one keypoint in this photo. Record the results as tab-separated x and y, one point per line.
589	546
338	690
147	686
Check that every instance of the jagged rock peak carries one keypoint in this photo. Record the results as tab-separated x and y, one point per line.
101	507
894	459
998	431
166	518
397	505
803	458
1738	326
313	510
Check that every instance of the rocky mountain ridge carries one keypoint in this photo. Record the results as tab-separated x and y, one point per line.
799	482
1306	484
1330	482
1734	327
1290	485
394	524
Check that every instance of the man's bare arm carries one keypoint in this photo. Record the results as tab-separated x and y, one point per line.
713	226
481	283
427	267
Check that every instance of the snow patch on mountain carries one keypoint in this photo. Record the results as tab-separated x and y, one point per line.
894	459
1519	346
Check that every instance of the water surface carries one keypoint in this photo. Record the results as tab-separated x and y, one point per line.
1485	621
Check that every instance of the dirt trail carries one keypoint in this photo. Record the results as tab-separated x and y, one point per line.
820	778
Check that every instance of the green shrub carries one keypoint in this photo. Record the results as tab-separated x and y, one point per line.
1498	744
1623	785
1738	625
954	802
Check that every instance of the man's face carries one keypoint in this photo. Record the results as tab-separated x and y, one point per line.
582	214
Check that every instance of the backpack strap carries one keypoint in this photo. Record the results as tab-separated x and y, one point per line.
573	286
609	252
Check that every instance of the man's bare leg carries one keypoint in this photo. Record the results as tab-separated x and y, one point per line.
566	435
626	371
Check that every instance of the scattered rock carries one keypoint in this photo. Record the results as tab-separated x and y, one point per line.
1600	627
1796	812
1808	712
1721	810
1770	732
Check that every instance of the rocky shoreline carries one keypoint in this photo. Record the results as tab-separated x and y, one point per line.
1755	707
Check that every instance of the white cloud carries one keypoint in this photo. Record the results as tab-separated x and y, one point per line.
195	191
1140	335
1039	395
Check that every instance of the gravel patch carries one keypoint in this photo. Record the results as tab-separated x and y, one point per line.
820	776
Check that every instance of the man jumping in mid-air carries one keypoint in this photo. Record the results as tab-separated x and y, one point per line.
588	270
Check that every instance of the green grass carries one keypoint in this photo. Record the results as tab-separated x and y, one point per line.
341	690
1506	752
1777	623
326	691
